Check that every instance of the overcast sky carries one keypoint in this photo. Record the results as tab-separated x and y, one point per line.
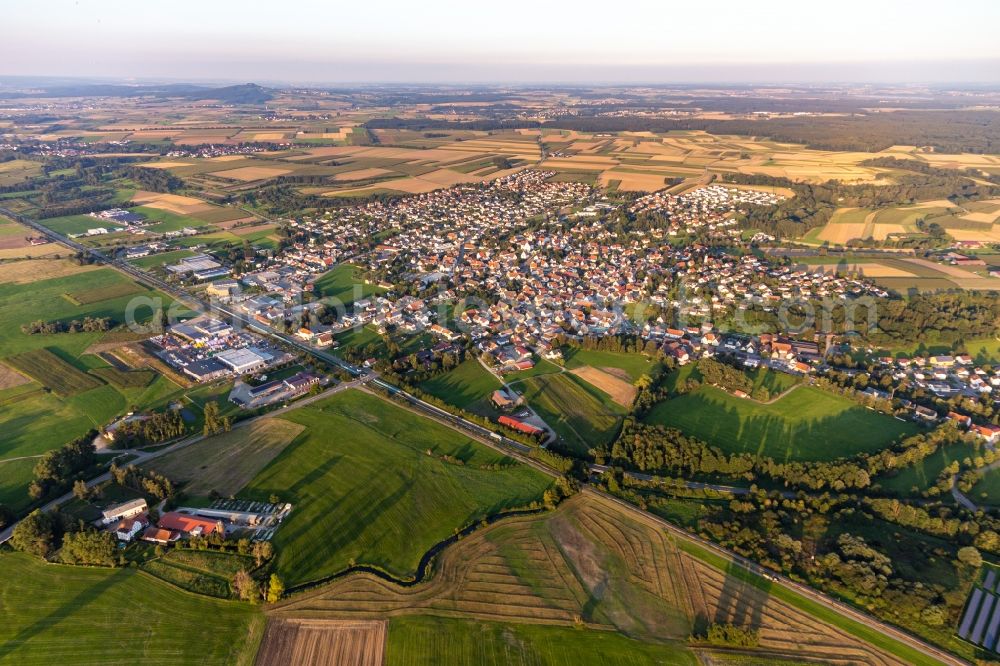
471	41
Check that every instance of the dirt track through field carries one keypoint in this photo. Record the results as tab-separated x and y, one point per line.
322	643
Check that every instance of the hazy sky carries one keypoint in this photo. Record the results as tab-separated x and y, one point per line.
506	40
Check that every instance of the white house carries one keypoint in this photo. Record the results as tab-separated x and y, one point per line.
129	528
124	510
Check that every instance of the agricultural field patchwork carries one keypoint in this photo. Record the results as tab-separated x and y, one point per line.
386	494
589	560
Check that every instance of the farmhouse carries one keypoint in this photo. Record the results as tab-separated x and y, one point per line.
160	536
123	510
504	400
189	525
128	528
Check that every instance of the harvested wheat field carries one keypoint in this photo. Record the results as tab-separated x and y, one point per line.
9	378
248	174
883	231
961	277
165	165
783	629
634	182
227	462
174	203
985	236
362	174
46	250
867	269
35	270
620	391
590	560
322	643
840	233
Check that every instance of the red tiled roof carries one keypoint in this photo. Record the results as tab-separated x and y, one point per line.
183	522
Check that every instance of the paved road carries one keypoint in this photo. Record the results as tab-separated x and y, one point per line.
142	457
498	442
961	497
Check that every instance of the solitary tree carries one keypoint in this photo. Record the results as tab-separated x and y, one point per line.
275	589
245	586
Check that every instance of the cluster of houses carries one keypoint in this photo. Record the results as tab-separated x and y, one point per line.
945	376
708	208
714	282
206	348
548	276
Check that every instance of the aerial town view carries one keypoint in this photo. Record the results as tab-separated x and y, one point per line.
549	334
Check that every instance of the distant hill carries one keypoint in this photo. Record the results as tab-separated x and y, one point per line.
246	93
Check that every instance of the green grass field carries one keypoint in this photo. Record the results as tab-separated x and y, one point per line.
925	473
15	475
466	384
987	490
34	421
583	416
805	424
76	224
364	488
74	615
162	259
340	283
52	372
428	641
126	379
635	365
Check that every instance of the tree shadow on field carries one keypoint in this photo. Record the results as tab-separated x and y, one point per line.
63	612
314	475
741	602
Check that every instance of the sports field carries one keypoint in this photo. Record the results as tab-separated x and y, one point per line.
464	385
369	484
56	614
806	423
